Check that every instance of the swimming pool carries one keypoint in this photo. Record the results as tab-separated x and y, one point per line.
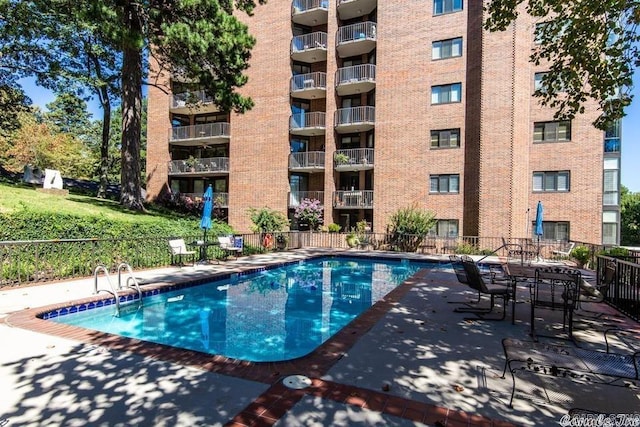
271	315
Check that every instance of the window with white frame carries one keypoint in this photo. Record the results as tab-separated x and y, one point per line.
609	227
551	181
542	82
552	131
443	49
444	184
445	138
445	228
610	185
446	6
537	81
444	94
553	230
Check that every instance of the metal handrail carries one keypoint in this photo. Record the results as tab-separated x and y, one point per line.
113	291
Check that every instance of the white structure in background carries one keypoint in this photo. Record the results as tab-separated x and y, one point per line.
52	179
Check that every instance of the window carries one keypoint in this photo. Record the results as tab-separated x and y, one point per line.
446	6
609	228
445	138
610	186
444	183
446	48
537	81
553	230
445	94
445	228
612	138
551	181
551	131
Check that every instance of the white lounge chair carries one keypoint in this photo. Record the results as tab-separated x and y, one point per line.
179	250
566	251
229	246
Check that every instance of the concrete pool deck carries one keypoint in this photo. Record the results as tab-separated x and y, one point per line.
408	361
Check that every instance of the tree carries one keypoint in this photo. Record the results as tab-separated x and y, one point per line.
12	102
409	226
200	40
68	113
629	217
309	212
591	46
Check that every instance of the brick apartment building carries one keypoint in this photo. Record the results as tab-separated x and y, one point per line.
372	106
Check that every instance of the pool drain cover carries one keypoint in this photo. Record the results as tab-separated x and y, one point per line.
297	382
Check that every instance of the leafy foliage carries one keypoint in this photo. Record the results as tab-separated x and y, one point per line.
629	217
590	46
409	226
309	211
582	255
266	220
12	102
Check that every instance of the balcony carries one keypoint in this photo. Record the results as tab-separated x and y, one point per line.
356	79
309	48
356	39
308	161
348	9
353	159
612	145
199	167
310	12
199	135
296	197
308	124
354	199
354	119
220	200
190	102
309	86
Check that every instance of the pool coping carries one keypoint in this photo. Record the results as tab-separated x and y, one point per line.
273	404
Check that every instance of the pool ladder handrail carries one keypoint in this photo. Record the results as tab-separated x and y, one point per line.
114	291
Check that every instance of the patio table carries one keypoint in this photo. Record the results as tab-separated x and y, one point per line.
518	273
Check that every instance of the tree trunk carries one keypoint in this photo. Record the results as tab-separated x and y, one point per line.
104	145
130	193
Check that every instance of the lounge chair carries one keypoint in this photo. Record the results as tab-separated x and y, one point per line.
495	288
229	246
179	251
573	363
566	251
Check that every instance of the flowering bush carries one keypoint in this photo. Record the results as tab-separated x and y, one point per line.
309	211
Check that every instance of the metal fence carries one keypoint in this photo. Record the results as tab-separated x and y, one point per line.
623	292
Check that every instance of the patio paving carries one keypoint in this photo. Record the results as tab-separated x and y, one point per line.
409	361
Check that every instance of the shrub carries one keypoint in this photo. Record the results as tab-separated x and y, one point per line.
409	226
582	255
334	228
309	211
266	220
615	252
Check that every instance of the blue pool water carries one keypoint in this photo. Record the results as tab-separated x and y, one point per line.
272	315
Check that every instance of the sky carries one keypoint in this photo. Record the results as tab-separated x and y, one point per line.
630	170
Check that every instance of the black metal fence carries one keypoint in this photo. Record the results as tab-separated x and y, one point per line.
623	292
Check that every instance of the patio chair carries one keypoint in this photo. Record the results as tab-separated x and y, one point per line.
228	245
495	288
590	293
566	251
179	251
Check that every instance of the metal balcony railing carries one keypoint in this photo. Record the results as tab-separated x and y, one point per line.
353	156
354	115
359	31
202	131
307	160
317	40
302	6
296	197
199	166
220	200
353	199
356	73
317	80
181	100
315	119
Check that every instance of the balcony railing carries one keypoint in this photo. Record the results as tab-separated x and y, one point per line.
296	197
354	119
355	79
310	12
356	39
190	99
210	165
313	123
309	47
309	85
353	199
353	159
612	145
306	161
206	132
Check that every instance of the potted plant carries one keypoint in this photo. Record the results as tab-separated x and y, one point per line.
581	255
341	159
190	163
281	242
352	239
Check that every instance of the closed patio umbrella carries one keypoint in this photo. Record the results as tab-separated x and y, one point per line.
205	222
538	230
